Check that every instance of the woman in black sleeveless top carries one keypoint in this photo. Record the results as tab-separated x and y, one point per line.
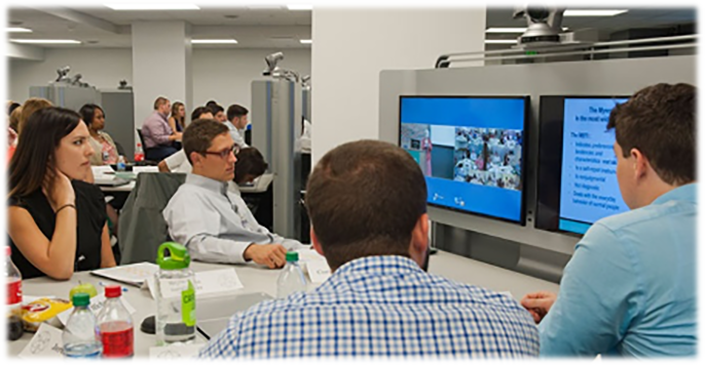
57	223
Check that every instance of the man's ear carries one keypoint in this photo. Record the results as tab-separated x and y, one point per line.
641	165
315	241
195	158
420	236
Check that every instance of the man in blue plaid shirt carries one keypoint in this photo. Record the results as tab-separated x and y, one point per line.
367	205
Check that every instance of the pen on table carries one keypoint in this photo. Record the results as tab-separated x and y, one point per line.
103	284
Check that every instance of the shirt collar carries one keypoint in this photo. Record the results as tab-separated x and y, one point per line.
685	192
379	265
207	183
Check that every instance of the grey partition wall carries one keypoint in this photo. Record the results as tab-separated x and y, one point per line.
66	96
276	120
118	106
522	248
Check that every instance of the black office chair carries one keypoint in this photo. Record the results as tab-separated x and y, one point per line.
144	150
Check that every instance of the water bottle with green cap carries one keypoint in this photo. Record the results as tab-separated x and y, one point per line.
176	296
292	278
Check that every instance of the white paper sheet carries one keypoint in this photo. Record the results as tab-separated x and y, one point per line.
46	343
175	351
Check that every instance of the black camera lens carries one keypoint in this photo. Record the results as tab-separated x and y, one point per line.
537	10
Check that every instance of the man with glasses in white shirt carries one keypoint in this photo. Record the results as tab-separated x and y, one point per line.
212	222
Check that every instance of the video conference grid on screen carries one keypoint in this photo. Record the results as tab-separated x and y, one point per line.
470	150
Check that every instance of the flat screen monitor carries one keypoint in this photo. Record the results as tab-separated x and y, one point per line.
471	150
576	183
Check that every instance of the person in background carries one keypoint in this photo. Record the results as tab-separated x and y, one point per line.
217	112
11	106
178	162
367	203
249	166
159	137
177	121
213	223
237	121
630	286
30	106
14	118
56	221
104	150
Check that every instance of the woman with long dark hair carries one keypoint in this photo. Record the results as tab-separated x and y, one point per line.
178	118
56	222
104	150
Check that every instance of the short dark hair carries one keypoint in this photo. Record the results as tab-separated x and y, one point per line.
196	114
88	112
215	108
12	107
159	101
364	198
211	102
236	110
199	135
250	162
659	121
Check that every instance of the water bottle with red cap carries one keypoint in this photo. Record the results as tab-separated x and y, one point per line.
11	297
115	325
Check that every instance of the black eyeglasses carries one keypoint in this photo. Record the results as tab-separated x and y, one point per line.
224	154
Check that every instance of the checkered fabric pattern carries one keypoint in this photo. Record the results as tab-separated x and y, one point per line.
382	306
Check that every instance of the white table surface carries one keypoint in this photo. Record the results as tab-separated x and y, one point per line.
259	279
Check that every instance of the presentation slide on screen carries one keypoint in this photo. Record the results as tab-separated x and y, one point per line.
470	151
589	186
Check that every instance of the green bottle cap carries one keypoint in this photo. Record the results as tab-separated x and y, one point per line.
292	256
81	299
178	256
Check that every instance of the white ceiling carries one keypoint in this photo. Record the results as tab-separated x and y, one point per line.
277	27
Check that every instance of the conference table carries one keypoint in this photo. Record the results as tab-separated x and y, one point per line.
258	279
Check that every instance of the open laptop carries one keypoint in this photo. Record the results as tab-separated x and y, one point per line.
213	314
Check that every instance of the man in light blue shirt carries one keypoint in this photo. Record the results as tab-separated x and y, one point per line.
237	121
629	288
367	203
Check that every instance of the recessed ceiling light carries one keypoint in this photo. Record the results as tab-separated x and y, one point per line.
214	41
593	12
46	41
500	41
511	30
18	30
305	41
300	7
152	6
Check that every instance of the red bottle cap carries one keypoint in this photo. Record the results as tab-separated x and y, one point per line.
113	291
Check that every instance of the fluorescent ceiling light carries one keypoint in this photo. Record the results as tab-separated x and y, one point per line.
300	7
500	41
152	6
305	41
46	41
593	12
512	30
214	41
18	30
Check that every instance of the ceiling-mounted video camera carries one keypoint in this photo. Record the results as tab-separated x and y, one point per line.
543	25
272	61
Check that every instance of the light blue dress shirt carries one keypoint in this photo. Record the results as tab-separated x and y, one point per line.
382	306
629	288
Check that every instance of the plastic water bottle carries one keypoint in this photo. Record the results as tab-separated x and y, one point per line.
176	296
121	163
292	277
14	297
139	153
80	334
115	325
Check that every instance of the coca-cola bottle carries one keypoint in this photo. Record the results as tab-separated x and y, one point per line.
11	297
115	329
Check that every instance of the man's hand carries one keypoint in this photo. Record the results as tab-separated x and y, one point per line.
272	255
538	304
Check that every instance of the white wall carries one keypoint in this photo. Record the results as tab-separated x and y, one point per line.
223	75
351	47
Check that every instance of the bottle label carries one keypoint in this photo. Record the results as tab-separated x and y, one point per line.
118	343
188	306
14	292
